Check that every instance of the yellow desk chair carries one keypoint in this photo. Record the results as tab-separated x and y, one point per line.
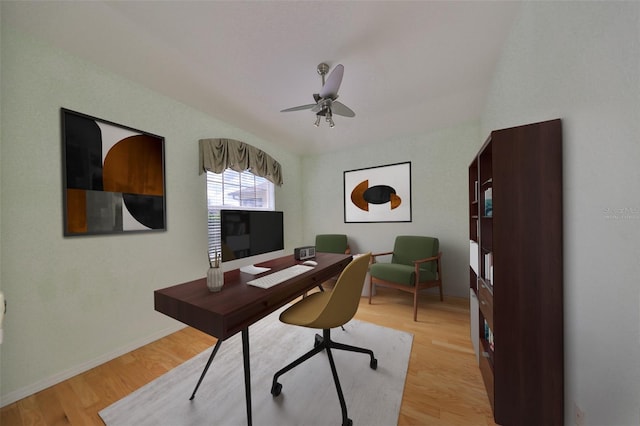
327	310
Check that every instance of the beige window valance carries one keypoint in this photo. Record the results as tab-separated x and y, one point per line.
216	155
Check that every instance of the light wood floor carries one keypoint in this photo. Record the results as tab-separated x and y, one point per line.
443	385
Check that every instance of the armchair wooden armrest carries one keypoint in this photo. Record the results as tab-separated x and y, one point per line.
373	256
428	259
417	263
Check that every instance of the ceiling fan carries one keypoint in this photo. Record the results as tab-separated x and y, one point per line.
326	104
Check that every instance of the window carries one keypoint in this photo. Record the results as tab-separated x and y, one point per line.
234	190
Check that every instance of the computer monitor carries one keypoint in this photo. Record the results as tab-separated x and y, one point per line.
246	233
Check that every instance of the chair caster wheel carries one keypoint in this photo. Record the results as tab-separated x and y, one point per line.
348	422
373	364
318	341
276	389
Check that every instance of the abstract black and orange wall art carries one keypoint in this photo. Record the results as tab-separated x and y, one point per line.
113	177
378	194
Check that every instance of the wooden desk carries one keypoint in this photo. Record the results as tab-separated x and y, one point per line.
239	305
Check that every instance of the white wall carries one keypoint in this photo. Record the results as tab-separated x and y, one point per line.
439	199
75	302
580	61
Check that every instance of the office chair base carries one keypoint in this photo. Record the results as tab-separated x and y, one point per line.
320	344
373	363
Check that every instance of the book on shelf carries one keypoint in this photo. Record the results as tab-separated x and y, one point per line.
488	266
488	335
488	202
473	256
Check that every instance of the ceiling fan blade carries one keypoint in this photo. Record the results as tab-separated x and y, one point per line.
316	108
299	108
331	86
341	109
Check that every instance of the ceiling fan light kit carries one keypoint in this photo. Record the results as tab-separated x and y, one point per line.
326	104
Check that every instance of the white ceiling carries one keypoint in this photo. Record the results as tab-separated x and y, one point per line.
410	67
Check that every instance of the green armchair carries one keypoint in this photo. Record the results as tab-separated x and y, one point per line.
414	266
332	243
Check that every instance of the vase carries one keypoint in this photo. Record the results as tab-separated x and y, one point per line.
215	279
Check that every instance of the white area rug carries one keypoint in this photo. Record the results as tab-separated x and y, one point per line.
308	393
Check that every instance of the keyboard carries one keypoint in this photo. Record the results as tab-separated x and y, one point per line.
277	277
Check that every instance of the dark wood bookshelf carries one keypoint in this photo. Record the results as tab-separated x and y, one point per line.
520	298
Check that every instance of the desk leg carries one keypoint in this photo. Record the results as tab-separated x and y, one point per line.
247	372
206	367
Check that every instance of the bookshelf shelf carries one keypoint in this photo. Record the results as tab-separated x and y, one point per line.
515	278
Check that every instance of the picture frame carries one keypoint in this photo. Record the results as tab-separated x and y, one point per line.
113	177
378	194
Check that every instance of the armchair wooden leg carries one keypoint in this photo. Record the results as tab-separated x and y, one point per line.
415	304
370	289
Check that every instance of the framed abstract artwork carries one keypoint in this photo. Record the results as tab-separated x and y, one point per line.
378	194
113	177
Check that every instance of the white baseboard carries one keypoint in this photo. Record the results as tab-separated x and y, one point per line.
17	395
